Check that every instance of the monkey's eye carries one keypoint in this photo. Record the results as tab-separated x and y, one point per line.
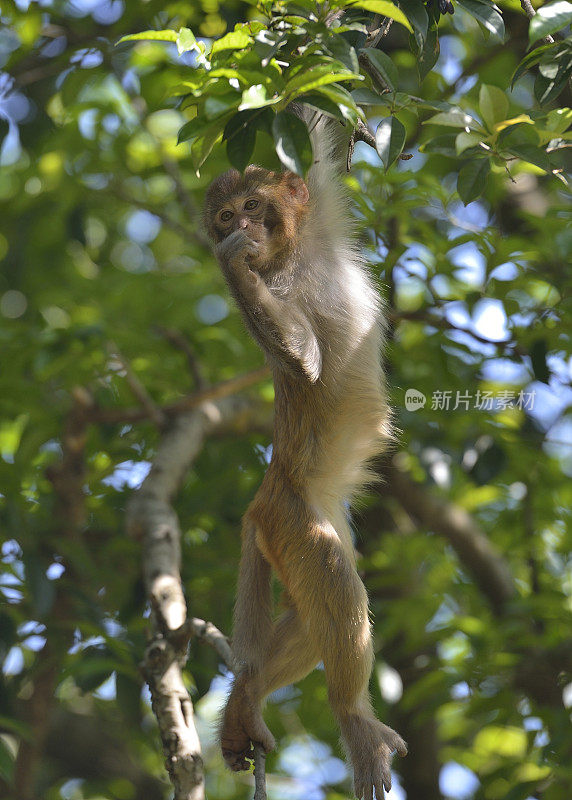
226	215
250	205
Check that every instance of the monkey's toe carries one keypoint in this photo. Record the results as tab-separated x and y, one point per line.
237	762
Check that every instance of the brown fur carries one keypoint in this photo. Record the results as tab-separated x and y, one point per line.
309	302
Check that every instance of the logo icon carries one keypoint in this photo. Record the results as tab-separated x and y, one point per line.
414	399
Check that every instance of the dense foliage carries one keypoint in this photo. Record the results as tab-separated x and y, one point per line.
108	284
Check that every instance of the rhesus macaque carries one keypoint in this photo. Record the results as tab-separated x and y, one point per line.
287	252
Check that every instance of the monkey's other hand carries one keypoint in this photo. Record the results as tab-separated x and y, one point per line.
237	252
371	746
242	727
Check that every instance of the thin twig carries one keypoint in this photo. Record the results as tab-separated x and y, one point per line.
139	391
225	389
377	30
181	343
444	324
206	632
259	773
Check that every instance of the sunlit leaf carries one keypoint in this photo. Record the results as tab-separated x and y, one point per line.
383	7
389	140
493	105
488	14
455	118
549	19
235	40
293	144
186	40
466	140
308	80
151	36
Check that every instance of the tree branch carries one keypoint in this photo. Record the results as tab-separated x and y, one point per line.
177	339
475	551
151	517
444	324
220	390
137	388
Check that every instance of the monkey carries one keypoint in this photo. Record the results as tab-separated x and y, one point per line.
287	251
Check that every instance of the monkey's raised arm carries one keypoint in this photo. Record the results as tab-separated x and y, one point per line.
280	327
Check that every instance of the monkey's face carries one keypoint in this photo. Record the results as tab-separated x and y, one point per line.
267	206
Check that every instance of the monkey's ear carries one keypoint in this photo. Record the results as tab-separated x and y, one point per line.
296	187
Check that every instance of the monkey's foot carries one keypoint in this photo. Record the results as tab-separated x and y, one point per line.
371	746
243	727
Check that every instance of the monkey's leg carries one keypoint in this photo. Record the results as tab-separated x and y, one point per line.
242	720
292	653
323	582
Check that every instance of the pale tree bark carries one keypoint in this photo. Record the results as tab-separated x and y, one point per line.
152	518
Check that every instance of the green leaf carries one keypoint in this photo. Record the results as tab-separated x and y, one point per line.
186	41
342	98
6	763
538	353
383	65
417	15
428	55
466	140
443	145
193	128
321	103
530	60
310	79
217	105
255	97
342	50
235	40
559	120
382	7
365	97
551	80
240	135
549	19
202	147
389	140
292	141
493	105
531	154
472	179
151	36
456	118
487	14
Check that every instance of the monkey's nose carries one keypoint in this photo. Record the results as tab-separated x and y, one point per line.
243	223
